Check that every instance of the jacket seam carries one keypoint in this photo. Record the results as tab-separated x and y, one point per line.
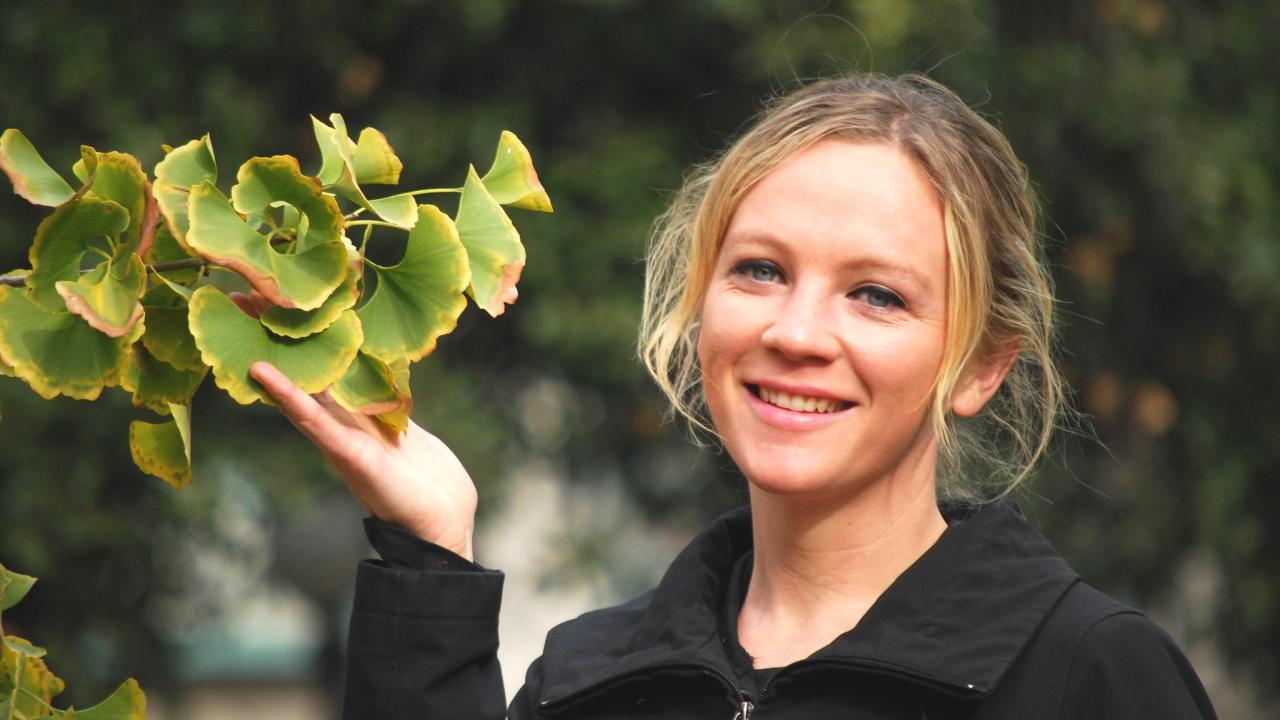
1075	653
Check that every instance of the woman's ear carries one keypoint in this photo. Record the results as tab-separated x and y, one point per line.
981	381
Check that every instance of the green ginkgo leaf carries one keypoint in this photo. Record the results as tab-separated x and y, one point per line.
126	703
184	167
62	240
31	176
371	159
35	685
107	296
13	587
367	387
301	323
24	647
155	384
512	179
57	353
230	341
419	299
302	280
494	250
168	336
164	449
119	177
264	182
346	165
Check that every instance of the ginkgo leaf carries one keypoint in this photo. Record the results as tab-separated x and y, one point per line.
119	177
398	419
155	384
24	647
512	179
36	685
367	387
13	587
301	323
31	176
126	703
62	240
302	280
181	169
164	449
168	336
57	353
107	296
346	165
419	299
371	159
494	250
264	182
230	341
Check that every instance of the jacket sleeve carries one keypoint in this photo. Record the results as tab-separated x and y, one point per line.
1126	666
423	638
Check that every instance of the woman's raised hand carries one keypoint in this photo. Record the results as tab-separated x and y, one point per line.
411	479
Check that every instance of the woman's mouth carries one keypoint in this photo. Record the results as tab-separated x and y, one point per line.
798	403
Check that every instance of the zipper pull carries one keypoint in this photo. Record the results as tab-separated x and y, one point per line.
744	711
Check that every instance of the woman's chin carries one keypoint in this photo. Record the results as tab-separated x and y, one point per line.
795	481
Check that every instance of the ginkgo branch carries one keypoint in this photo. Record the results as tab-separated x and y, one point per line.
20	280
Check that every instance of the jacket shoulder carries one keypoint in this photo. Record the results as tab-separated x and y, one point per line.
1099	658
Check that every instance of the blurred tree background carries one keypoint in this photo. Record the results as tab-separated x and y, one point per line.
1152	130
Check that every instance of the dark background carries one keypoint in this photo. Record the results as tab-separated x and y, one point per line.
1152	131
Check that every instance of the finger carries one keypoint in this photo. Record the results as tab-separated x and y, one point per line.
302	410
359	421
243	302
259	302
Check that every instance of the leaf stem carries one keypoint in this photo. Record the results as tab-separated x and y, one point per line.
429	191
379	223
179	265
99	251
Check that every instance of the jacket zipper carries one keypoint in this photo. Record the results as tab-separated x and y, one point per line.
743	706
958	689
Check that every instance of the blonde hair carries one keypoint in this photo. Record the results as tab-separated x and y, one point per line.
1000	294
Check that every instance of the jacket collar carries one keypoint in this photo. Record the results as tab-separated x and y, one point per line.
960	615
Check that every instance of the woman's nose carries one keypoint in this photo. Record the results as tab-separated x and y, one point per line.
802	328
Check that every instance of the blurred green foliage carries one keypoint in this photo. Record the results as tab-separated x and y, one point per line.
1150	129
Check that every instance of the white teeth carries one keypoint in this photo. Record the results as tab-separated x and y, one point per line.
800	403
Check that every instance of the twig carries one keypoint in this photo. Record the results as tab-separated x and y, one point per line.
19	280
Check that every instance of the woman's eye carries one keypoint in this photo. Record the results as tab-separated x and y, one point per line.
879	297
758	270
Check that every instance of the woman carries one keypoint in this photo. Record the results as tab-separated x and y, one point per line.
853	299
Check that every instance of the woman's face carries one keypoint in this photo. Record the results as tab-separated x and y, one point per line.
824	322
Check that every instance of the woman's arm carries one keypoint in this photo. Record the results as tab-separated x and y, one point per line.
411	480
423	638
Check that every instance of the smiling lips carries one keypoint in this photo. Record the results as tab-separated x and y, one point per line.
799	403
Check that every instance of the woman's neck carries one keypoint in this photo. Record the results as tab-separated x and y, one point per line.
820	565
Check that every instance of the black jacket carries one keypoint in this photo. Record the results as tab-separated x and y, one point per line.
989	623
